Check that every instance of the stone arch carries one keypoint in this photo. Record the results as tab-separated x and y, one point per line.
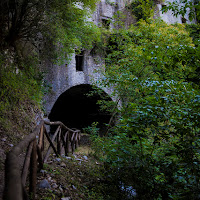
78	110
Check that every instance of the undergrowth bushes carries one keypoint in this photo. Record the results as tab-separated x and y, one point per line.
154	148
20	94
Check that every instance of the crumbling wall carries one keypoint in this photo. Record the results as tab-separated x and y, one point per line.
61	78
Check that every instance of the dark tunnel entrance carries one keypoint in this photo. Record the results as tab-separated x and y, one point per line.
78	110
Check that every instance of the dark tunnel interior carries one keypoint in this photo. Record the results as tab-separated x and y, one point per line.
78	110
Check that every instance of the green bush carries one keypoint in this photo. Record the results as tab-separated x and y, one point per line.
142	9
20	91
154	147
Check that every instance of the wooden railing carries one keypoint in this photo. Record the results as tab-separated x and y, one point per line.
38	145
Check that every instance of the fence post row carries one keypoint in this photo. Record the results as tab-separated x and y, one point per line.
36	155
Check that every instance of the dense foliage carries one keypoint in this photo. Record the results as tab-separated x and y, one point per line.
194	30
142	9
153	69
154	147
54	28
32	32
183	7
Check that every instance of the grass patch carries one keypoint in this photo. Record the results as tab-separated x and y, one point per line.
77	179
84	150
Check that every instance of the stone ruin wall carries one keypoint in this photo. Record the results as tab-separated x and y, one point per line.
61	78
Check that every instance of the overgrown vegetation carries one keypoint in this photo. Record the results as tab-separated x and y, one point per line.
20	96
54	28
142	9
75	177
33	32
154	147
153	69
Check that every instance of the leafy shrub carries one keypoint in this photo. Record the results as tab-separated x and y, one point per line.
142	9
154	147
153	49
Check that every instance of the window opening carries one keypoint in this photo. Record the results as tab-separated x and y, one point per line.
163	6
183	20
106	23
79	61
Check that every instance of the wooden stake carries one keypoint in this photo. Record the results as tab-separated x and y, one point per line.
33	171
49	149
26	164
67	143
40	159
63	142
51	143
58	143
40	143
76	140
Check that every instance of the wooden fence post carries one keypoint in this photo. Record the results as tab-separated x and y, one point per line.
15	180
73	142
26	164
58	143
68	142
63	146
40	157
49	149
79	138
33	171
76	140
40	142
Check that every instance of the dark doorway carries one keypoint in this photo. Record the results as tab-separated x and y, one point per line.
77	110
184	20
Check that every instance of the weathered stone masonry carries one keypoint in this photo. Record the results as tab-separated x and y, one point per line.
81	71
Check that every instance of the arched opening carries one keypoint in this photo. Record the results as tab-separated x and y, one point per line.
78	110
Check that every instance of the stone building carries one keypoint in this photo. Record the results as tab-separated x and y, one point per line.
70	83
